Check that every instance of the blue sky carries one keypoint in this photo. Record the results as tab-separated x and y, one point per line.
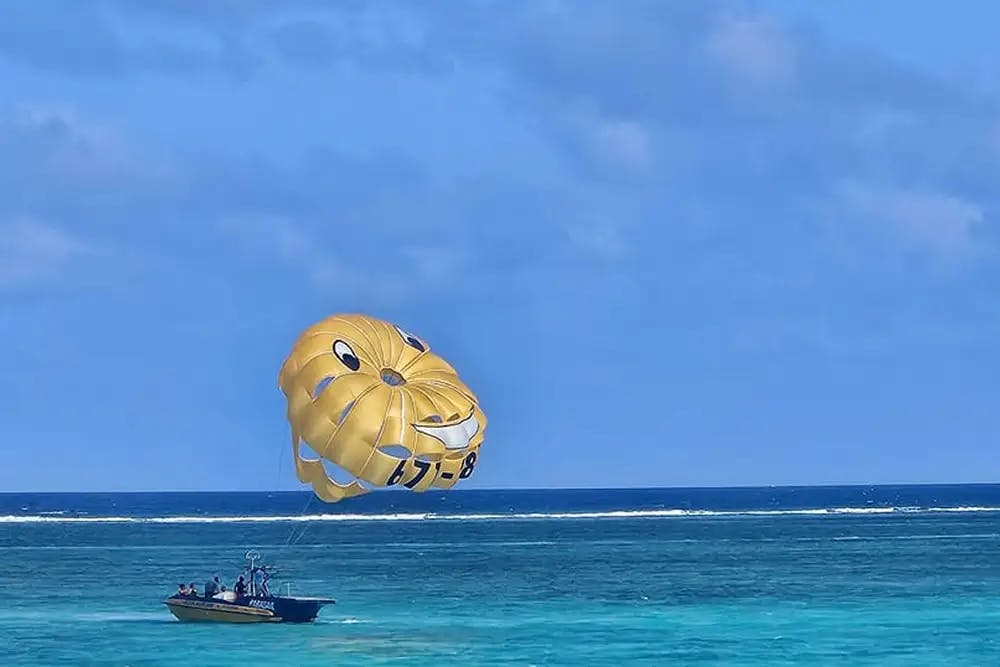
666	243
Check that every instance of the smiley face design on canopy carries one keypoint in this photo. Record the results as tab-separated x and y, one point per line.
374	400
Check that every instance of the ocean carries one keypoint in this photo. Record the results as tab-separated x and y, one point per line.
883	575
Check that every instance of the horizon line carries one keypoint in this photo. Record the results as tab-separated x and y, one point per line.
524	488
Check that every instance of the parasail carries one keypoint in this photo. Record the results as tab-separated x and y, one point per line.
374	400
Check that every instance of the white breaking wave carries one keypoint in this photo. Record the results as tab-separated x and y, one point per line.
526	516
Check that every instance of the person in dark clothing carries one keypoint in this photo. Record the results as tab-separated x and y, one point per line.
212	587
240	588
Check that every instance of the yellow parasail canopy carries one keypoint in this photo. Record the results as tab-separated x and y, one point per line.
374	400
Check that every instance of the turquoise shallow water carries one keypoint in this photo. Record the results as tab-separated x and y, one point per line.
524	584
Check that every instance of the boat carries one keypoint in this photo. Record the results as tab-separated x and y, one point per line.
255	605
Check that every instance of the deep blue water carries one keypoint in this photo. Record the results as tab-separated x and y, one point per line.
837	575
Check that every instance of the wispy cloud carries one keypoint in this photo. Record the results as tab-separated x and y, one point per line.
282	241
34	254
942	224
754	48
332	268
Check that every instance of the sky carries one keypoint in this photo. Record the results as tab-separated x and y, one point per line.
667	244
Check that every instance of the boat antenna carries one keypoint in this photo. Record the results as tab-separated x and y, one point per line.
253	556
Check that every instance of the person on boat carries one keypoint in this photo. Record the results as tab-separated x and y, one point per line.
240	587
193	590
212	587
260	581
182	589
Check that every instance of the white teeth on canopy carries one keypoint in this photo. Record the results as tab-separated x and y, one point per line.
453	436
